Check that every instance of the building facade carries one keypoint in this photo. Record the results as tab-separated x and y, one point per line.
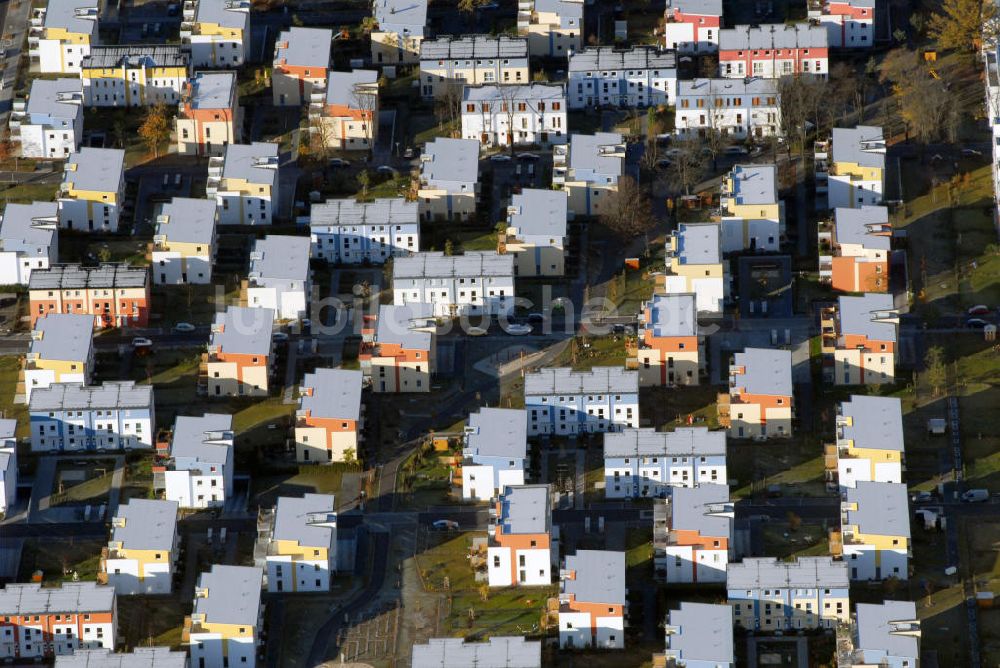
244	183
644	463
71	417
519	551
495	452
61	34
859	335
668	350
448	63
8	465
330	417
874	539
300	544
592	600
449	179
209	116
346	231
399	350
43	622
736	108
280	278
198	472
301	62
695	265
700	635
474	283
869	445
693	542
141	556
50	123
639	77
224	628
28	240
770	595
773	51
134	76
856	175
561	401
760	400
216	32
554	28
183	248
588	169
240	352
92	190
343	112
61	350
504	115
400	32
854	251
692	26
850	24
537	232
753	216
117	295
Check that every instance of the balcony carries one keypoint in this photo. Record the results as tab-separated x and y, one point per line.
724	407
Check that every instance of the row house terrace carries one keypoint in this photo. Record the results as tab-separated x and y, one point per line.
448	62
42	622
564	402
71	417
474	283
134	76
736	108
773	51
643	463
117	295
345	231
504	115
639	77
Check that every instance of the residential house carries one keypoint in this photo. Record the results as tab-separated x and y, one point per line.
554	28
399	353
183	249
501	115
695	266
224	627
239	352
588	169
140	657
134	76
449	179
874	538
856	173
61	34
300	544
693	543
244	183
592	600
753	218
566	402
519	551
474	283
739	109
668	350
767	594
199	470
117	295
8	465
850	24
216	32
141	556
343	114
49	124
859	334
854	252
496	652
28	240
72	417
92	190
883	635
773	51
700	635
209	116
638	77
330	417
495	452
692	26
345	231
760	400
869	445
448	63
643	462
400	32
41	622
301	62
279	277
61	350
536	232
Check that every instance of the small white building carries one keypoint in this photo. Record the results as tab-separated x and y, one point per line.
279	277
449	179
520	549
694	543
501	115
61	35
92	190
224	627
885	635
736	108
497	652
592	600
140	657
302	545
184	243
692	26
28	240
8	465
875	530
144	546
350	232
199	473
753	217
857	170
72	417
475	283
588	169
495	452
639	77
850	24
565	402
244	183
536	232
700	635
49	124
645	462
696	265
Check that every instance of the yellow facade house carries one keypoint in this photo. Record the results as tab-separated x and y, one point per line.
140	556
223	629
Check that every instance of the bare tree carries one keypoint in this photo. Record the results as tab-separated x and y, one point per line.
364	98
447	107
510	100
631	213
687	164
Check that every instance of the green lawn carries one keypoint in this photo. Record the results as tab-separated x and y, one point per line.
585	352
58	558
29	192
10	366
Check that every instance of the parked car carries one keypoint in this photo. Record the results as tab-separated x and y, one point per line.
979	309
735	150
975	496
517	329
279	337
339	162
477	331
141	342
445	525
536	318
184	327
500	157
386	170
922	497
976	323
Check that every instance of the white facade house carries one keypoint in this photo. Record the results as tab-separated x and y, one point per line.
588	169
140	657
992	77
645	462
200	471
244	183
692	26
144	546
537	232
696	265
61	35
885	635
642	76
700	635
224	628
857	170
695	542
302	545
561	401
850	24
753	217
8	465
520	547
92	190
495	452
71	417
279	277
184	242
475	283
501	115
350	232
216	32
736	108
449	179
875	530
448	62
497	652
49	124
768	594
28	240
592	600
870	445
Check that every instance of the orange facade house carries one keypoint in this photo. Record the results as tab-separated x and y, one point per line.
37	622
520	544
239	353
855	250
301	62
692	540
117	295
760	400
592	600
344	114
860	335
399	349
209	117
329	418
668	350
